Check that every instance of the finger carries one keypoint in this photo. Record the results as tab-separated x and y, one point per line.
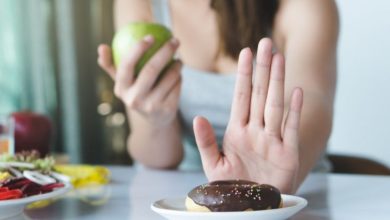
274	107
207	144
260	85
152	69
173	95
243	87
169	80
291	128
105	60
125	75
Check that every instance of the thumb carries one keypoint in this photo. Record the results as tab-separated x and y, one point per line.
105	60
207	144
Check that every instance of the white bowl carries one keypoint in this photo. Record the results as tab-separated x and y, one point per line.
14	207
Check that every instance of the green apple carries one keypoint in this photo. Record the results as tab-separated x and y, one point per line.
133	33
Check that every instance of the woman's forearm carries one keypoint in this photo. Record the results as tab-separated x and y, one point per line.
315	130
310	47
156	147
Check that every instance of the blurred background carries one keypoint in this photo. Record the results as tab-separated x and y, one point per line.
48	65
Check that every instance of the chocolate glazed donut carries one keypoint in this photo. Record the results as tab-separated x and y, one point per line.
233	195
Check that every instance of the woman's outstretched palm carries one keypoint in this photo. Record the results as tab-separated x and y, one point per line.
259	145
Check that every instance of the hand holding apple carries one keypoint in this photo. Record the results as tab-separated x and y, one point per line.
141	52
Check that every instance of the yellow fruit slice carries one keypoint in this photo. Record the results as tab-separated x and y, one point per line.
4	176
85	175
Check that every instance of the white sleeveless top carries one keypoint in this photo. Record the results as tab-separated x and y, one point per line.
207	94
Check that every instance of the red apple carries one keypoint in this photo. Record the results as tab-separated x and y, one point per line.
32	132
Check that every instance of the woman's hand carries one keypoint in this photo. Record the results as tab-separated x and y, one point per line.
156	103
259	145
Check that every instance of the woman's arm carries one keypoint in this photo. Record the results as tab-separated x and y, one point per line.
126	11
310	30
155	132
155	146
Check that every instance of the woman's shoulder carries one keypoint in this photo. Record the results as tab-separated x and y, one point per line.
302	16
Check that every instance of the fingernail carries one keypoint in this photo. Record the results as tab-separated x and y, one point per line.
244	52
149	38
174	42
266	48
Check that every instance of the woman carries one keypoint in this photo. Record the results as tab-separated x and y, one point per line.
268	136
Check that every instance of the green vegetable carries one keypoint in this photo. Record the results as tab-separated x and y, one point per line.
44	165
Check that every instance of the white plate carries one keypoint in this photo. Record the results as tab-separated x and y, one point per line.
174	209
13	207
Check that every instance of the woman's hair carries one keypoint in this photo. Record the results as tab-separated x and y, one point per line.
242	23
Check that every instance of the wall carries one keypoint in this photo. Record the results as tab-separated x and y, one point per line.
362	116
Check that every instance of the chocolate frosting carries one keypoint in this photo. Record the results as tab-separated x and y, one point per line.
236	195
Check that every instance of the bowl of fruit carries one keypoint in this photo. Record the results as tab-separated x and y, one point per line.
26	178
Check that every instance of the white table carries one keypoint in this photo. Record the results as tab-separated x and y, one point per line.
133	190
